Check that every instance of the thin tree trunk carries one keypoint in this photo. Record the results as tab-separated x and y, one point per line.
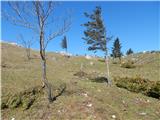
81	68
43	60
28	53
45	81
120	59
66	54
108	72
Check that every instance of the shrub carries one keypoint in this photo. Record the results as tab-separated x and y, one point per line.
139	85
136	84
22	99
115	62
101	60
154	91
128	64
14	101
80	74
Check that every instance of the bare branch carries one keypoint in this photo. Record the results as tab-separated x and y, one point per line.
38	18
26	43
18	18
65	27
49	10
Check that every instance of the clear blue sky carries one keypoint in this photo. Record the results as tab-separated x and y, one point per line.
135	23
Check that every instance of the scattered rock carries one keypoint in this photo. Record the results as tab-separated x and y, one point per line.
12	118
142	113
89	105
85	94
59	111
148	101
91	63
113	116
99	90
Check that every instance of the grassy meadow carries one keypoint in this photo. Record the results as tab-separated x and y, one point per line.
82	99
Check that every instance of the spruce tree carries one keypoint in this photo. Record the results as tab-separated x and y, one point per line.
116	50
130	51
95	34
64	43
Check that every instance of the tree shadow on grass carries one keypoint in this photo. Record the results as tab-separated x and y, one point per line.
100	79
61	91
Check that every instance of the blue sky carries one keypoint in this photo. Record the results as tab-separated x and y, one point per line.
136	24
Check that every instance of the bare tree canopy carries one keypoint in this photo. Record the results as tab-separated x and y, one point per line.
32	14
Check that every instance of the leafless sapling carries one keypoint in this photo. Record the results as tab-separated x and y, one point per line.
38	16
27	44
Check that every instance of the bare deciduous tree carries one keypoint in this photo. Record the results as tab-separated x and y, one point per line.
26	43
38	16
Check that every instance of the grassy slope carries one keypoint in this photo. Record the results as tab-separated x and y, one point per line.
19	74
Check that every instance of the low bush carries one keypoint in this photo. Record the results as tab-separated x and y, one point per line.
80	74
101	60
115	62
154	91
139	85
24	99
128	64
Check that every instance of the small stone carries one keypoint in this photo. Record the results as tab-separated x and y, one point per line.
59	111
13	119
142	113
99	90
89	105
91	63
148	101
85	94
113	116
